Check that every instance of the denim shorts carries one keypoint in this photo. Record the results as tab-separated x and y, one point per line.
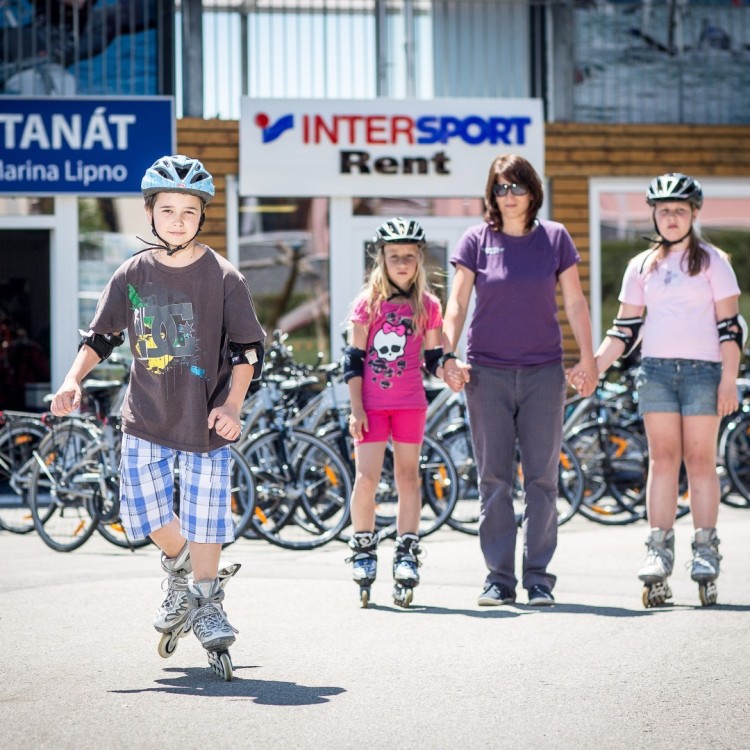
684	386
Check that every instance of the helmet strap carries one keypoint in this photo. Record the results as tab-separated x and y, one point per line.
668	243
399	291
171	250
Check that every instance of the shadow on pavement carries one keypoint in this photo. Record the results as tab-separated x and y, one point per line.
200	681
426	609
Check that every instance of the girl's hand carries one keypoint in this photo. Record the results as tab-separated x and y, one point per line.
226	421
358	424
456	374
727	402
583	376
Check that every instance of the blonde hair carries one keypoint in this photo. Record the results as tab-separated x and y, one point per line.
378	288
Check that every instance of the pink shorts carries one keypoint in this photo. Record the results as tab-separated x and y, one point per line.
403	425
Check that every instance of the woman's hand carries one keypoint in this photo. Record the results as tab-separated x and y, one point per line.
456	374
583	376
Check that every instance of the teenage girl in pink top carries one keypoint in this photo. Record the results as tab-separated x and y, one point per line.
393	320
692	339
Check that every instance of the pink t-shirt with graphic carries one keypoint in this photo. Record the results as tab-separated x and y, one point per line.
392	376
680	318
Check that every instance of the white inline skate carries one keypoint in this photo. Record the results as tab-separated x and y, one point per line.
657	567
210	625
704	567
364	560
406	569
172	615
174	620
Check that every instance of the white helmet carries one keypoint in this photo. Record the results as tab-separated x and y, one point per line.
178	174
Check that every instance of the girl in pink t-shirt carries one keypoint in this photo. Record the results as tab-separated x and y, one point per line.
393	321
692	339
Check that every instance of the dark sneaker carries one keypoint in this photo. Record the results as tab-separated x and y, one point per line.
540	596
495	594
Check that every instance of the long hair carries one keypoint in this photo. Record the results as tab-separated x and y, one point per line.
513	169
377	289
697	257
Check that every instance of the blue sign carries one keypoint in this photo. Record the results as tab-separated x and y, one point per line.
82	145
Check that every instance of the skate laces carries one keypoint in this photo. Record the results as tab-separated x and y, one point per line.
175	585
210	618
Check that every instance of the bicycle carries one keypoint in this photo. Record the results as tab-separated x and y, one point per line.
20	435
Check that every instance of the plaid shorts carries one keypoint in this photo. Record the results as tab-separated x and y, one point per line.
147	491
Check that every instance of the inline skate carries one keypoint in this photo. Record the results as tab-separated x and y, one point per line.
364	560
209	623
657	567
172	614
180	626
406	569
704	567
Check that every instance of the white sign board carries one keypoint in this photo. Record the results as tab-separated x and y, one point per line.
336	147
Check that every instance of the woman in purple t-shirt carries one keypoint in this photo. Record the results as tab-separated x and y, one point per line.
691	345
514	376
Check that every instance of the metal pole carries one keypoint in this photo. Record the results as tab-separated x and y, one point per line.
192	58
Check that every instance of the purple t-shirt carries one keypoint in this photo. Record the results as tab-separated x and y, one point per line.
515	321
392	376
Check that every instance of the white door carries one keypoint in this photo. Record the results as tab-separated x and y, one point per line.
443	234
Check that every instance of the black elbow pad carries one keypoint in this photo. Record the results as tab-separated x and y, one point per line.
354	363
248	354
102	343
733	329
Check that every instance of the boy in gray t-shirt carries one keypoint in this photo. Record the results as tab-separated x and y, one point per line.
196	345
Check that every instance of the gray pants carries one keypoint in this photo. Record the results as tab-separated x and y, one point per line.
524	404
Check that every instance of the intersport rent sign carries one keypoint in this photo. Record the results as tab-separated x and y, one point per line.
436	147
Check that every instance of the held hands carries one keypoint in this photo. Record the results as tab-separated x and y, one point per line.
67	398
358	424
456	374
226	421
583	376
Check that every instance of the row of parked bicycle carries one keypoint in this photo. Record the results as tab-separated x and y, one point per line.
293	467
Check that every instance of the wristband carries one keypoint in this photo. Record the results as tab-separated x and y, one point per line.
446	357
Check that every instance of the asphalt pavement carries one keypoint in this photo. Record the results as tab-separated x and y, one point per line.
79	666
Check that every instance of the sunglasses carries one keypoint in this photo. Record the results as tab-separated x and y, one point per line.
501	190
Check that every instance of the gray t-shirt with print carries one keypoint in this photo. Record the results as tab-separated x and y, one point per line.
179	322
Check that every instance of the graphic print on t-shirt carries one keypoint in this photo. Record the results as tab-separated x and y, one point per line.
165	331
386	356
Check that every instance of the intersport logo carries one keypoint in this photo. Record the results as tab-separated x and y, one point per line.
354	129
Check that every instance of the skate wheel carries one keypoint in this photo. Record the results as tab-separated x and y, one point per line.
655	594
169	641
708	593
402	596
364	597
221	664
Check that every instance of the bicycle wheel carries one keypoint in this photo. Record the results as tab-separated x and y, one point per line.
615	483
18	440
735	449
64	483
302	488
570	486
439	486
465	516
242	488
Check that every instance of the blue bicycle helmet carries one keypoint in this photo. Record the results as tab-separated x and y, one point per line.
178	174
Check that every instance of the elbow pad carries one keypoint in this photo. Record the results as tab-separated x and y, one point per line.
248	354
354	363
102	343
433	358
632	339
738	335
